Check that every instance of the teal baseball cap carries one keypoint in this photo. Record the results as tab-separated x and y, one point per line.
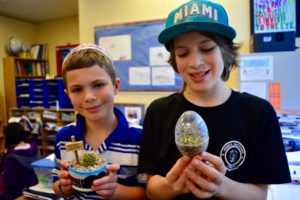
197	15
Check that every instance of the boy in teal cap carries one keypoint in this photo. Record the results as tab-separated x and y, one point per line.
245	151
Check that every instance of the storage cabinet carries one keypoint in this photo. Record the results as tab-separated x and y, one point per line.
22	93
64	101
29	88
36	93
52	120
28	93
43	93
17	75
50	94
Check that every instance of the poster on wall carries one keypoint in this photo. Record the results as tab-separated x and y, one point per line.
274	16
255	68
140	60
134	112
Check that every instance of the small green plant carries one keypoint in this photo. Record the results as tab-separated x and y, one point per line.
89	158
189	139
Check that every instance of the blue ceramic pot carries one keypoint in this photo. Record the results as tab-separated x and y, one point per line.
82	181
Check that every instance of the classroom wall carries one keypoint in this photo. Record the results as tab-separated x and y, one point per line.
53	32
57	33
101	12
27	32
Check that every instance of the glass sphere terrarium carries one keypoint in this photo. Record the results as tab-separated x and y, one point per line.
191	134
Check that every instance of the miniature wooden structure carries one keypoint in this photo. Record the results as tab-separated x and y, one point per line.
74	146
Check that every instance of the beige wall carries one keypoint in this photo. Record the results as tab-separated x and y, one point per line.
102	12
57	33
27	32
54	33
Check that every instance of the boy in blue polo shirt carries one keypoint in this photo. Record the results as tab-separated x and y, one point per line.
91	83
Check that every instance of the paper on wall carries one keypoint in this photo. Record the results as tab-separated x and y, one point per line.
119	47
256	68
163	76
158	56
139	76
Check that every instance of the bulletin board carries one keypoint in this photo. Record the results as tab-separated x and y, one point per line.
134	112
140	60
274	76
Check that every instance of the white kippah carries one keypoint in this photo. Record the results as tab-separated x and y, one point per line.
90	46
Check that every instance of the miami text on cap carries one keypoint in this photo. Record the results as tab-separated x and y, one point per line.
197	15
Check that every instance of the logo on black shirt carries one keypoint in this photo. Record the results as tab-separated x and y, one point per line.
233	155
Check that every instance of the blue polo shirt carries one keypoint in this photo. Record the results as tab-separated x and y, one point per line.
121	146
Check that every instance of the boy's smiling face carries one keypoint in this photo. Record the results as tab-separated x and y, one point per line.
91	92
199	61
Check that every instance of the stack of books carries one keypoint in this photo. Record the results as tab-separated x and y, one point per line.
40	191
39	51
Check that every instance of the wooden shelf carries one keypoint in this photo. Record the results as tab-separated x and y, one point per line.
28	93
47	137
10	68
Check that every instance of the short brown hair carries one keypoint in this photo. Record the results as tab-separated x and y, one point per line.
88	57
228	49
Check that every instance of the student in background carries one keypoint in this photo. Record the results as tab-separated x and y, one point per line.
91	83
17	172
245	151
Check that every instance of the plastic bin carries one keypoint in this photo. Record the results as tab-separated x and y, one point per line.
43	169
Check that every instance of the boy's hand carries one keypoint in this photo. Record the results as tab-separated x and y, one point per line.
205	175
107	185
64	178
175	178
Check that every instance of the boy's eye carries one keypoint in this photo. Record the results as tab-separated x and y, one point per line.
181	53
98	85
208	49
76	90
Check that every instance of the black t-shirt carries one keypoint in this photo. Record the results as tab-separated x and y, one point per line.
244	131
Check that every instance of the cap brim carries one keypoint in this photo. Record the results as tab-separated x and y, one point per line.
170	33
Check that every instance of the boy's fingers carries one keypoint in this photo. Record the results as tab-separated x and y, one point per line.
216	161
197	191
64	164
177	169
113	167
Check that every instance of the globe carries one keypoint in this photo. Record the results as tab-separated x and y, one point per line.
15	45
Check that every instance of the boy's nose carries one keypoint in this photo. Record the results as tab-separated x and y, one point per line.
197	60
89	96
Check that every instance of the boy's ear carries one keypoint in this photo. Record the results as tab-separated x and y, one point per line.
117	85
66	91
